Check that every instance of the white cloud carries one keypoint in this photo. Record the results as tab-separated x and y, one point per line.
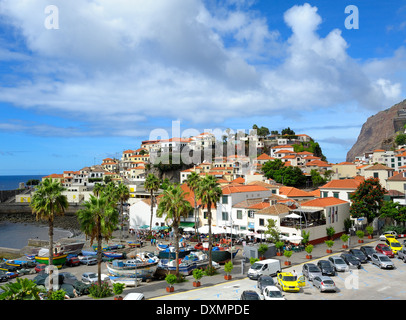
121	63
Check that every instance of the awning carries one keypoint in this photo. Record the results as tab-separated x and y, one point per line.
187	224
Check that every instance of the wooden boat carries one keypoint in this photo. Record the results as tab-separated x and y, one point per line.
166	266
89	253
72	248
110	247
58	260
129	282
114	255
134	244
140	269
219	254
20	263
168	251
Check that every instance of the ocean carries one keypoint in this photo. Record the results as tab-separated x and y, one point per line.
12	182
16	235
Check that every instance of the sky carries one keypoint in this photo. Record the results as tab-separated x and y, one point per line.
84	80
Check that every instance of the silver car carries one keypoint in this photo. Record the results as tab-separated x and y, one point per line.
339	264
310	270
382	261
89	277
324	283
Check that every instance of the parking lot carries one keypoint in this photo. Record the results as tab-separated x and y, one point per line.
368	283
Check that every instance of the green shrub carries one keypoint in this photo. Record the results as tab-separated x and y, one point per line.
344	237
171	279
101	291
197	274
253	260
228	267
118	288
329	243
360	234
309	248
57	295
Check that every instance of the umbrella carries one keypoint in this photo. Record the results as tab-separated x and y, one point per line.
189	229
295	239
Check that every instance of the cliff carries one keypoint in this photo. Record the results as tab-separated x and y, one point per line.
378	132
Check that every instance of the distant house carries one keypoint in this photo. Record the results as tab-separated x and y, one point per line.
379	171
341	188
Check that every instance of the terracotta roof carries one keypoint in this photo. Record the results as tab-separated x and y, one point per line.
264	156
318	163
247	203
324	202
291	192
345	163
398	177
238	188
342	184
239	180
275	210
379	166
263	184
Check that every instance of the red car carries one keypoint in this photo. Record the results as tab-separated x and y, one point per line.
384	249
72	261
40	267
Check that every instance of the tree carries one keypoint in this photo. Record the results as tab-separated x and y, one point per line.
273	231
367	200
174	206
209	192
123	194
46	203
400	139
289	176
193	181
288	131
151	185
98	220
317	179
393	210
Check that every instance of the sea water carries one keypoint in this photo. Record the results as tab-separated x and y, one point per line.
12	182
16	235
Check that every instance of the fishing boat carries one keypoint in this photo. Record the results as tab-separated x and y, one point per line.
219	254
89	253
166	266
129	282
71	248
169	252
114	255
43	257
20	263
137	269
134	244
110	247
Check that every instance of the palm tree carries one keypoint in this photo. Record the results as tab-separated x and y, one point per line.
209	192
123	194
98	220
46	203
98	189
193	181
174	205
151	185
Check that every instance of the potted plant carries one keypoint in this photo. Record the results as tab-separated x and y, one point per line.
228	267
287	254
118	289
329	244
279	245
330	232
370	231
360	234
171	280
309	249
261	250
344	237
197	274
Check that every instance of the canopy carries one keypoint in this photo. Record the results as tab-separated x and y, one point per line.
214	230
295	239
293	215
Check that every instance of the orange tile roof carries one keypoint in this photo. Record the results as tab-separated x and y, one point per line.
342	184
238	188
293	192
379	166
323	202
260	206
318	163
239	180
275	210
264	156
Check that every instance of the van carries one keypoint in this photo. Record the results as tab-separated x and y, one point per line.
268	267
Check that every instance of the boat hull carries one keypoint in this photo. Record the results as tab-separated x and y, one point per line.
57	260
129	282
144	271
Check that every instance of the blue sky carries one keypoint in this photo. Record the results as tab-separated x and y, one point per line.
113	71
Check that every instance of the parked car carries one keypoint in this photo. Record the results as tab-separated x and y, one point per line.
402	254
89	277
272	293
351	260
40	267
72	261
3	276
88	260
384	249
339	264
68	277
288	282
326	267
382	261
250	295
359	255
134	296
394	245
386	234
7	268
310	270
264	281
368	251
324	283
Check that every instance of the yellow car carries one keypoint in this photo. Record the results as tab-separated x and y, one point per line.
288	282
394	245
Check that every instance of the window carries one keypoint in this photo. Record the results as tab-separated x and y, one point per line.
251	213
261	222
335	194
376	175
325	194
239	214
224	216
225	199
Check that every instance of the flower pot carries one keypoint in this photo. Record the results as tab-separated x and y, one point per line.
118	298
308	256
287	263
279	254
329	251
196	283
227	277
360	241
170	289
370	236
345	246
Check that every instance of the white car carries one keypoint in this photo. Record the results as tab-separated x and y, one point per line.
134	296
89	277
272	293
382	237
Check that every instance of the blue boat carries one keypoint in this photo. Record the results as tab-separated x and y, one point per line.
114	255
89	253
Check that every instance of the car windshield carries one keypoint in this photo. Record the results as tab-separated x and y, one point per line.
256	266
267	281
386	249
352	259
396	244
92	275
289	278
251	296
357	253
274	294
339	261
369	250
384	259
328	281
314	269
